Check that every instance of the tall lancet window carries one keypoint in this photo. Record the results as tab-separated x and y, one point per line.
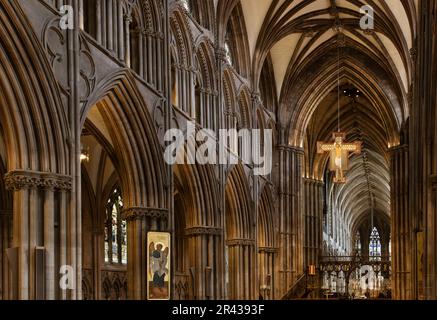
375	245
358	243
115	230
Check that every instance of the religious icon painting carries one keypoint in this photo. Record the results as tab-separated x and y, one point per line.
158	264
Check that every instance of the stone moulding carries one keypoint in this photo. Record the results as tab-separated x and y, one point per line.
136	213
25	179
240	242
268	250
202	230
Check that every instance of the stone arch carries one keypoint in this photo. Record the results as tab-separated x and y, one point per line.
229	89
152	18
24	72
37	140
204	13
240	253
182	35
141	156
205	85
229	98
137	156
135	41
197	224
235	35
205	57
239	217
266	224
244	108
266	243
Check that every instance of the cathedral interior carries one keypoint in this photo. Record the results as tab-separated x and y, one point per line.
91	208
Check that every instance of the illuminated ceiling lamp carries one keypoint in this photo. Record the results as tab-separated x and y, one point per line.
339	150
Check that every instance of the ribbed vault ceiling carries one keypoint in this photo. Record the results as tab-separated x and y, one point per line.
292	30
302	40
368	181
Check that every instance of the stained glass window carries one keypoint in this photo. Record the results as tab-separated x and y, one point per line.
115	230
375	245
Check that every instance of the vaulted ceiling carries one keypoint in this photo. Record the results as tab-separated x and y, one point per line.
312	44
290	31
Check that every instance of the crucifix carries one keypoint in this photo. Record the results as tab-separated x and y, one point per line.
339	154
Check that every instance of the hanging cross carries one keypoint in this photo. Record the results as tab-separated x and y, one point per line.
339	154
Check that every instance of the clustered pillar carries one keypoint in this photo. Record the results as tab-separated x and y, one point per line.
290	264
313	221
40	215
241	260
401	224
139	222
203	249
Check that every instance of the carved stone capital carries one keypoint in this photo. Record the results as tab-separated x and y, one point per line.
413	53
268	250
128	18
314	182
256	98
221	54
138	213
289	148
240	242
24	179
194	231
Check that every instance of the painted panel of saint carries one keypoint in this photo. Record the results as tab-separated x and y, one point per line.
158	264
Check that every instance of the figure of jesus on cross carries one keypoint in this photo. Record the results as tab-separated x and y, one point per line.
339	154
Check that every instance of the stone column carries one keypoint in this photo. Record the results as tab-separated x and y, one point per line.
98	239
139	222
429	279
266	271
222	120
33	226
241	255
313	203
204	245
423	147
127	21
5	243
290	266
49	241
402	227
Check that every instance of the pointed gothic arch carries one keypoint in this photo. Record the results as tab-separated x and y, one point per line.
240	236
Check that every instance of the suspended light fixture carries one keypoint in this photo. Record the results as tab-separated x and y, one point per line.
339	150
